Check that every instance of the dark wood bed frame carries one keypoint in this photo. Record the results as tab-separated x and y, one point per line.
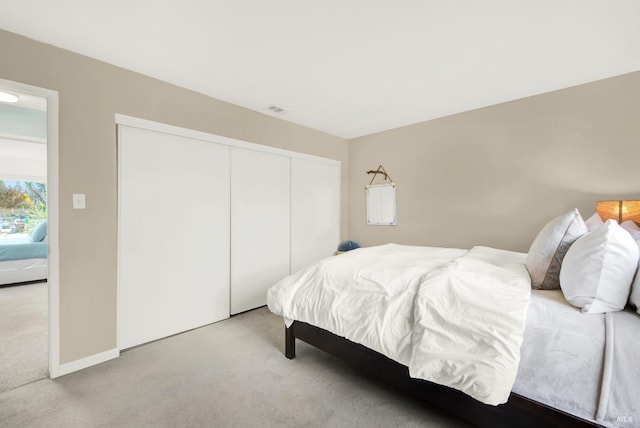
519	411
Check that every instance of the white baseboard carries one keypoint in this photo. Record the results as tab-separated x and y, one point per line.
83	363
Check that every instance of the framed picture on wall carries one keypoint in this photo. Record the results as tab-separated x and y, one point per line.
381	204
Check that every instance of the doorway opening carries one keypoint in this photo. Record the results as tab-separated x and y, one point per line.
28	236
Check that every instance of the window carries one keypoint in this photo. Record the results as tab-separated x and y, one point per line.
23	204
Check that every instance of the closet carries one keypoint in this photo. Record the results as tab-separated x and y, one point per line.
260	225
174	228
315	211
206	224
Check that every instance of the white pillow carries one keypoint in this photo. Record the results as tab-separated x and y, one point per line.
598	269
634	231
593	222
548	249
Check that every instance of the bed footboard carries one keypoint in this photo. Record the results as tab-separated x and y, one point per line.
519	411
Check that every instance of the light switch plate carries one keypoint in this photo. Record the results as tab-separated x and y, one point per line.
79	201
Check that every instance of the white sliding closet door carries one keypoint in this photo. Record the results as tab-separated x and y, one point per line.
173	239
315	211
260	187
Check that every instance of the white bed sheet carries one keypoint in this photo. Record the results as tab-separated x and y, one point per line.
565	354
561	355
14	271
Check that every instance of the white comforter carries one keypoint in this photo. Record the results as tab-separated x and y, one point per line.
455	317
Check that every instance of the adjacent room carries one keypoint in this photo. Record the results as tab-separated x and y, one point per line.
387	214
23	240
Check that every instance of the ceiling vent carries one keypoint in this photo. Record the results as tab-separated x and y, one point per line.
276	109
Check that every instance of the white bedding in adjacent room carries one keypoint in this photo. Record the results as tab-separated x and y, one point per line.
15	271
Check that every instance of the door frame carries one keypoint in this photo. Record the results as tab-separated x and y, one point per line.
53	215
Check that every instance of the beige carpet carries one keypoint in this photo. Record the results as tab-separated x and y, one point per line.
23	334
229	374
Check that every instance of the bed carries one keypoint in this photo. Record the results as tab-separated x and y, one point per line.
24	258
523	358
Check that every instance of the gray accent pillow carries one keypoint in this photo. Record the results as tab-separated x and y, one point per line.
549	248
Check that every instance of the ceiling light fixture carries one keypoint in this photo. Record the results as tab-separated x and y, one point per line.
6	97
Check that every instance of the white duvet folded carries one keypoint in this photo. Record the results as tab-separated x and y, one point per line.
469	322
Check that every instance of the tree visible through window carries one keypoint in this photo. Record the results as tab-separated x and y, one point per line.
23	204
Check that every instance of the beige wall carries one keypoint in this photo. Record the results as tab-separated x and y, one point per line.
91	92
494	176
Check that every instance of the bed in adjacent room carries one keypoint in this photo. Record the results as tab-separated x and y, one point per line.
24	258
463	329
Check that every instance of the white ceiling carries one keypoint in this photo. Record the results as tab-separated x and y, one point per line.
26	101
349	68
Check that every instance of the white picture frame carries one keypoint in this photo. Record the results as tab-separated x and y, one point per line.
381	204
